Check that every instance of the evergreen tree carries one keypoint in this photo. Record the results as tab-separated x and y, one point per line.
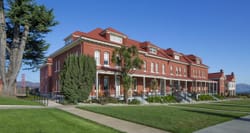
23	26
77	77
128	59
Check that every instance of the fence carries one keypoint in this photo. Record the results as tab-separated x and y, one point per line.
41	99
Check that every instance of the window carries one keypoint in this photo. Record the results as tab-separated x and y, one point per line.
180	71
176	71
152	50
156	67
198	61
171	70
116	39
177	57
145	66
185	72
106	59
199	73
152	67
135	84
58	65
106	85
97	57
163	68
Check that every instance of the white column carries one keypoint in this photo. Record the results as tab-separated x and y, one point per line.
186	86
144	86
165	89
116	86
216	88
208	88
97	85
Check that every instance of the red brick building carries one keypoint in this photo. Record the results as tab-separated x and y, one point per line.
174	71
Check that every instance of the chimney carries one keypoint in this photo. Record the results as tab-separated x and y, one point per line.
221	71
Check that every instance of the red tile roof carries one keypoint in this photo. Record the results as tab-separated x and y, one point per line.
98	34
215	75
230	77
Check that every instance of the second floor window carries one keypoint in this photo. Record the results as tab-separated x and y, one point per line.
97	57
185	72
163	68
152	67
145	66
156	68
171	70
106	58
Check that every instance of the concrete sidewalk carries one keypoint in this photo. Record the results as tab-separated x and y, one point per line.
241	125
115	123
21	107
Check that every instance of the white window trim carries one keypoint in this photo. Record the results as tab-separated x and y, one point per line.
98	62
152	67
163	68
156	67
145	66
106	65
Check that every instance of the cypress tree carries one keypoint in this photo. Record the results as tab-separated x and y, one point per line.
77	77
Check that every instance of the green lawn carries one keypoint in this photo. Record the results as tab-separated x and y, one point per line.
236	105
16	101
245	102
46	121
166	118
227	107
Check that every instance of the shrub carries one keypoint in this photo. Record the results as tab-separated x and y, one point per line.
105	100
161	99
134	101
205	97
169	99
219	97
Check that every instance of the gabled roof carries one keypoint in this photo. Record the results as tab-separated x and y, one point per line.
215	75
230	77
100	35
114	31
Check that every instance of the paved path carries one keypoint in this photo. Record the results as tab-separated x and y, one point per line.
20	107
118	124
241	125
115	123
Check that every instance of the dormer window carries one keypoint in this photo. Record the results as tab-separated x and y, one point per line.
152	50
198	61
116	39
176	57
68	41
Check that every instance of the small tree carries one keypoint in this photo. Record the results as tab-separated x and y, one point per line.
77	77
128	60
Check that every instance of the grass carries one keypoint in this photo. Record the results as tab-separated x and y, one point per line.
16	101
167	118
236	105
237	102
46	121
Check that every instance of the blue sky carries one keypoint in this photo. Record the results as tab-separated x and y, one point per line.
218	31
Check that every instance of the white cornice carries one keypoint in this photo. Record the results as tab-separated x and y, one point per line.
114	45
66	47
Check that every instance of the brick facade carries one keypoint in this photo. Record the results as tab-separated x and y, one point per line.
173	70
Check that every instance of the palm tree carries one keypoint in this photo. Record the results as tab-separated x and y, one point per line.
127	58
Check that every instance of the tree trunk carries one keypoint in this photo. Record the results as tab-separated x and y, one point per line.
8	76
2	45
